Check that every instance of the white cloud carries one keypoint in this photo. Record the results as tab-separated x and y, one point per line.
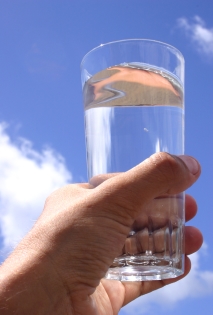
197	284
27	177
201	36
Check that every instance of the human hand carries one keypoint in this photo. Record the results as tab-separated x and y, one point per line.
61	263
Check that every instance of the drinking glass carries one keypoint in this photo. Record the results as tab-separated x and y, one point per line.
133	93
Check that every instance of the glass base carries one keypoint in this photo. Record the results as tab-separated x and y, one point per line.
144	269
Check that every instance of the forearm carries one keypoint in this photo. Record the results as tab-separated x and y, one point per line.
30	285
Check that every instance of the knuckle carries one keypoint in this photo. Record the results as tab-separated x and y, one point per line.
57	194
49	198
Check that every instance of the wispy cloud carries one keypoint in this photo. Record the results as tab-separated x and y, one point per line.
27	178
201	36
197	284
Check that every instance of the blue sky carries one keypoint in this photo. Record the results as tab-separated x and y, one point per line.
41	113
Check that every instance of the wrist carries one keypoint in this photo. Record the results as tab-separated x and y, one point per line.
29	283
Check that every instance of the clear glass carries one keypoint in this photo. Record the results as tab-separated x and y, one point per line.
133	94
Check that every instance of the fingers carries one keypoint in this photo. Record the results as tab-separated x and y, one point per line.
161	174
190	207
193	240
99	179
186	271
135	289
190	203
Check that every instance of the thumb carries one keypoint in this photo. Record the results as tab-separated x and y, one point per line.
126	193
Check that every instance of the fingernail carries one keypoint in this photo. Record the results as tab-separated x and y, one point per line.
191	163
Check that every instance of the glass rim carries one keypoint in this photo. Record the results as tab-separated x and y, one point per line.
131	40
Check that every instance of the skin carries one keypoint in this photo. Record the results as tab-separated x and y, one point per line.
58	268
